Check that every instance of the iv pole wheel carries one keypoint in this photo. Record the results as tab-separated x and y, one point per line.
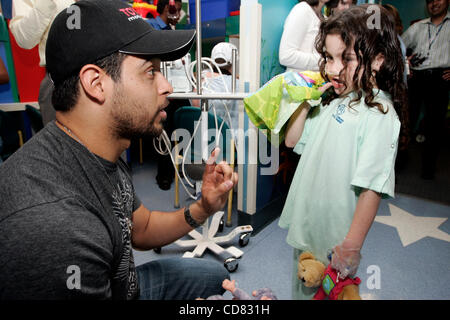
231	264
221	223
244	239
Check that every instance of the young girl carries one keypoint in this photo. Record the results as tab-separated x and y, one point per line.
348	143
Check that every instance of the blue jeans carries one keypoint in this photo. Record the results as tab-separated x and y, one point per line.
180	279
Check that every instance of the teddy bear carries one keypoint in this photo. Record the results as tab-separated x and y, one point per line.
313	273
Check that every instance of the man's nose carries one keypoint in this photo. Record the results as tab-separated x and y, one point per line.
164	86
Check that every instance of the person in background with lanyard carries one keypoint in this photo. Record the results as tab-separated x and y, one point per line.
429	40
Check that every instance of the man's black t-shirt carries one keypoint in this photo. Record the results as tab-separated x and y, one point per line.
65	217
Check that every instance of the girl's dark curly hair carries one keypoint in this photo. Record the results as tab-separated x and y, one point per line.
356	28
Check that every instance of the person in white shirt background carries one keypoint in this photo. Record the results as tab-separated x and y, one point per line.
297	52
30	23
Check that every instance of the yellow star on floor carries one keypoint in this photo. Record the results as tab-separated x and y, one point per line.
411	228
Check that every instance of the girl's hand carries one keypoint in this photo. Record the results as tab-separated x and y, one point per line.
345	259
325	87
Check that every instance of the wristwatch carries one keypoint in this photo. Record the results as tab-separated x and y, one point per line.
190	221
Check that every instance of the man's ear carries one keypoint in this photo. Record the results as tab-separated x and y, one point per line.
377	62
92	80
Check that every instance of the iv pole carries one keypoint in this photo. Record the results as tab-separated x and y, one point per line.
207	239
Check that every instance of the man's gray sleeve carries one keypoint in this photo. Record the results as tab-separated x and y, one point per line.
55	250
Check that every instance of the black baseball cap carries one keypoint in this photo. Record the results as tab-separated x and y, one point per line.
89	30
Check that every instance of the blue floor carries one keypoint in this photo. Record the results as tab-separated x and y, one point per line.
410	264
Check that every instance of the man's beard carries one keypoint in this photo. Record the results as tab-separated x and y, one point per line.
131	119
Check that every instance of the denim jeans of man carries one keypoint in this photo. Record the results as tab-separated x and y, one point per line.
181	279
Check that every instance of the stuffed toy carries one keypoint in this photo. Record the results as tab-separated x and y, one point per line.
310	271
271	106
239	294
313	274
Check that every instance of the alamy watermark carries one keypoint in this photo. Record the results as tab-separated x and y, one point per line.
74	280
374	21
74	19
373	282
267	155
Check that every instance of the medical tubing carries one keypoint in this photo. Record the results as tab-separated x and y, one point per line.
159	148
168	145
166	140
187	151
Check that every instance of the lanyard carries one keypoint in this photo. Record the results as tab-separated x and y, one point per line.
431	42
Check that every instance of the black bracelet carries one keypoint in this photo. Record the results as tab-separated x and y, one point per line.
190	221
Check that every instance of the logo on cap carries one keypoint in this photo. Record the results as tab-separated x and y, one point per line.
130	13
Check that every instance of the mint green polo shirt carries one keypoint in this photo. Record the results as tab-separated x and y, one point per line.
344	149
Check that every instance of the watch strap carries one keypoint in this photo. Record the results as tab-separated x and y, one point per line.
190	221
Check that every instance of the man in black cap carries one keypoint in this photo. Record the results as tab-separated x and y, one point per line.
69	215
